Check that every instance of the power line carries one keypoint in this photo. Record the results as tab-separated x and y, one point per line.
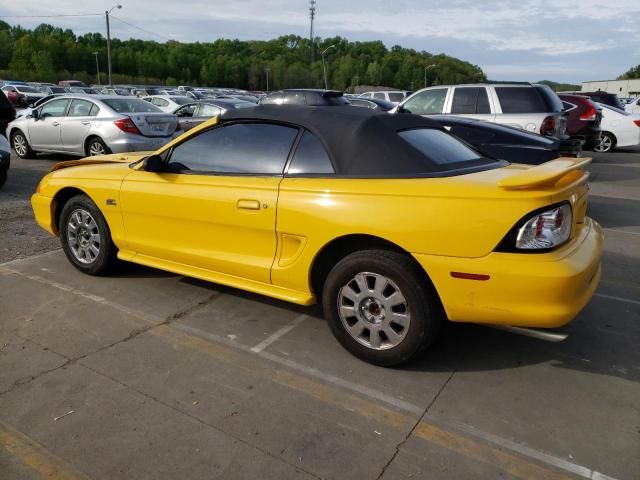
139	28
52	16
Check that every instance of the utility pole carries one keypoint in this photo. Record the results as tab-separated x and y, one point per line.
324	67
312	15
106	14
267	70
425	73
97	67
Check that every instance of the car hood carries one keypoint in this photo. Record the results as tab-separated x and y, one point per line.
99	159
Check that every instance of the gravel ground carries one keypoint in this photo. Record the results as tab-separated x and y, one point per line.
20	235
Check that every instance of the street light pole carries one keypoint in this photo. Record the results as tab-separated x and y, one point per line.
425	73
106	14
324	66
97	67
267	70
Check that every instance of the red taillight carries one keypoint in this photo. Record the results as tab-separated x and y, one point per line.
590	114
548	126
127	125
178	127
637	122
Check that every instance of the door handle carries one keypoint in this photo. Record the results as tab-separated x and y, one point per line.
246	204
85	122
55	124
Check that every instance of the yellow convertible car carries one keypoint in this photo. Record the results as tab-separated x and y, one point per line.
389	221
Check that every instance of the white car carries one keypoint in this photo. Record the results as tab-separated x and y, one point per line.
393	96
168	103
619	129
633	106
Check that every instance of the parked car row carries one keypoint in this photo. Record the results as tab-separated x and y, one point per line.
86	125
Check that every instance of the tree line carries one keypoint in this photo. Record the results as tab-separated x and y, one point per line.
631	74
50	54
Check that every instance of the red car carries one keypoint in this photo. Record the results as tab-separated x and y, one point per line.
583	119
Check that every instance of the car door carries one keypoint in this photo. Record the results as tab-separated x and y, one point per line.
214	209
75	126
472	102
44	131
426	102
185	116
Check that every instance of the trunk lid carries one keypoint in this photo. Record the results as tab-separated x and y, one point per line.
152	124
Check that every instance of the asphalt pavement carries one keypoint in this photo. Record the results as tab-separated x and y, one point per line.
149	375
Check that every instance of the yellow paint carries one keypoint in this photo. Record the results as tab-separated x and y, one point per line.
263	234
508	462
34	456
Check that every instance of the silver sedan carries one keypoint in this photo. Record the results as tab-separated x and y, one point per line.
87	125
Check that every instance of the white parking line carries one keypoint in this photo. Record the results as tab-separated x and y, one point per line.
619	299
283	331
621	231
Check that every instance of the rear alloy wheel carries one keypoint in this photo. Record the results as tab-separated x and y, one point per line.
607	143
380	308
85	236
21	145
96	147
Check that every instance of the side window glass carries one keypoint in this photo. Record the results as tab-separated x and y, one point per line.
427	102
208	111
294	98
464	100
483	101
54	108
80	108
94	110
310	157
379	95
520	100
239	148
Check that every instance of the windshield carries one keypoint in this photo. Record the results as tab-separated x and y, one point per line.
181	100
131	105
22	89
57	89
617	110
440	147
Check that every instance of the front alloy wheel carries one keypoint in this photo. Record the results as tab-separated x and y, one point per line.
83	236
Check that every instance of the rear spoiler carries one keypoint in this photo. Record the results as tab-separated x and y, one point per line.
546	173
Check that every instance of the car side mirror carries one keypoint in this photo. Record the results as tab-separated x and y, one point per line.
154	163
35	114
400	109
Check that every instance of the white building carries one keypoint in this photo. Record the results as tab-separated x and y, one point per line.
622	88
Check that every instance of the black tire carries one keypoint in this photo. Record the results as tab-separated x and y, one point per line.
20	145
422	305
607	143
3	177
106	256
95	144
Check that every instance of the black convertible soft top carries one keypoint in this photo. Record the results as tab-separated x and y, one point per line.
359	141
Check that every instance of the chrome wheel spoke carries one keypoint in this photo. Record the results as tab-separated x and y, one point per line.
391	334
349	293
374	338
399	319
357	329
362	283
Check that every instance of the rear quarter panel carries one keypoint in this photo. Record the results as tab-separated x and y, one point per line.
463	216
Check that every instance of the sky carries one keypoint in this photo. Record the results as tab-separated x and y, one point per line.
508	39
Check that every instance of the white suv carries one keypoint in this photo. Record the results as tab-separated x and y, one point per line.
531	107
393	96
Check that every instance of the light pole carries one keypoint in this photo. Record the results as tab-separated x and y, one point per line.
324	67
106	14
425	73
97	67
267	70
